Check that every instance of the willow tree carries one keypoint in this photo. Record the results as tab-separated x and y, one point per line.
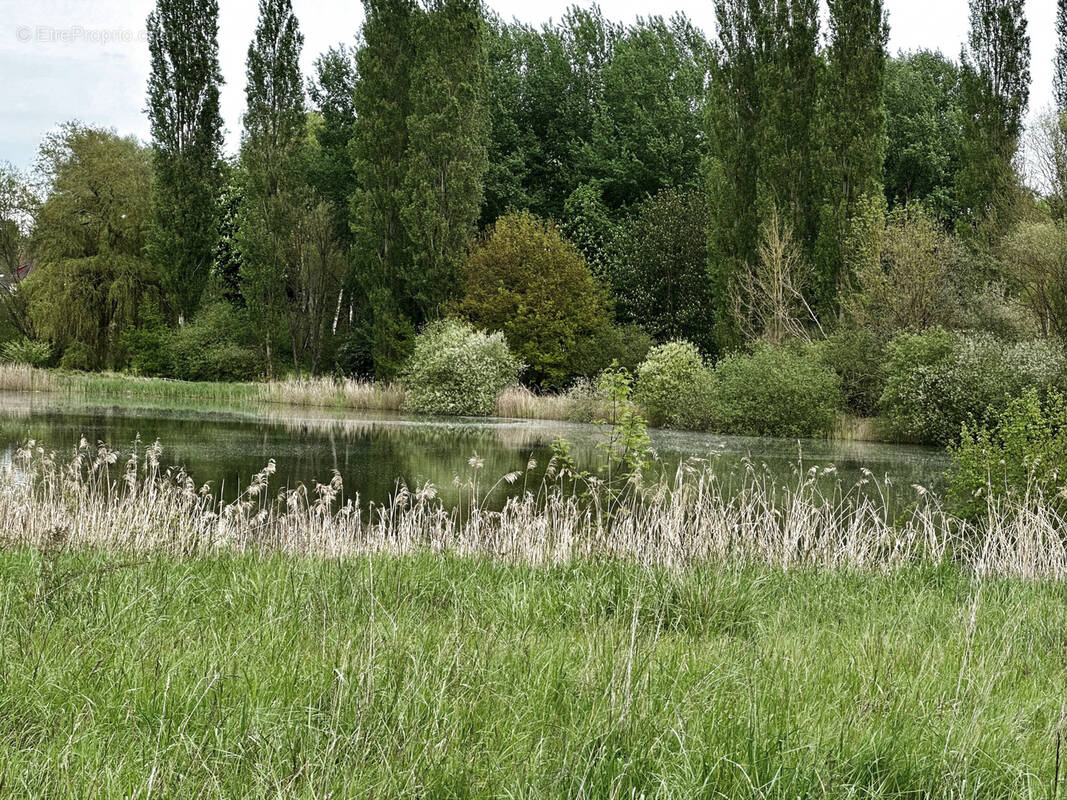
92	284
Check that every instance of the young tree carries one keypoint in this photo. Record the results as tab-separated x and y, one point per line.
768	302
183	109
996	91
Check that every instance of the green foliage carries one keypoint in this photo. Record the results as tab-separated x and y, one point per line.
626	447
670	384
524	279
216	346
775	391
1020	452
1059	77
26	351
585	101
455	369
92	281
857	356
186	123
907	284
330	169
419	159
445	158
924	119
661	276
853	125
148	346
1035	261
79	356
938	381
995	95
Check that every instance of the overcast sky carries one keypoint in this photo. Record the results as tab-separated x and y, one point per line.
88	59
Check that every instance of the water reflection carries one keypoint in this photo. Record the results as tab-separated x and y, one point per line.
227	445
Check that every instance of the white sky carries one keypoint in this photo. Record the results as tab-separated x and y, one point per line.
88	60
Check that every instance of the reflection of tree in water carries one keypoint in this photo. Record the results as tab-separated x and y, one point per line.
226	446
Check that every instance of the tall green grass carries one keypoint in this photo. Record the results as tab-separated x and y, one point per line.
434	677
766	642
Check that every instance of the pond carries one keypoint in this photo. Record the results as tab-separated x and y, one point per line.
373	453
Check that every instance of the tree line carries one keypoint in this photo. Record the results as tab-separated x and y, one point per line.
588	187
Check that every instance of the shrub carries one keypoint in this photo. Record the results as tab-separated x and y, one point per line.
148	347
858	357
458	370
525	280
26	351
78	356
215	346
775	391
673	386
938	381
1021	452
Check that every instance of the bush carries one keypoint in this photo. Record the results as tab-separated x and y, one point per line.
938	381
26	351
78	356
525	280
1020	453
215	346
775	391
457	370
858	357
673	386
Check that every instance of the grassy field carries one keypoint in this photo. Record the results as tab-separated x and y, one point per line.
769	642
436	677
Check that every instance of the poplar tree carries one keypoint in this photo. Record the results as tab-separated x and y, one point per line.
788	71
1059	78
446	158
379	149
854	135
733	133
273	185
995	95
763	120
183	111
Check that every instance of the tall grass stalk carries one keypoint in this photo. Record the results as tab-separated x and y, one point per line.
88	500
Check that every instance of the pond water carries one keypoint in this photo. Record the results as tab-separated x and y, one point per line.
373	453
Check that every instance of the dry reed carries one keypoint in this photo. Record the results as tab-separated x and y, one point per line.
88	500
345	393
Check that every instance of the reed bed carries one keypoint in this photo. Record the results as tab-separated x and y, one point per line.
518	402
88	500
330	392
